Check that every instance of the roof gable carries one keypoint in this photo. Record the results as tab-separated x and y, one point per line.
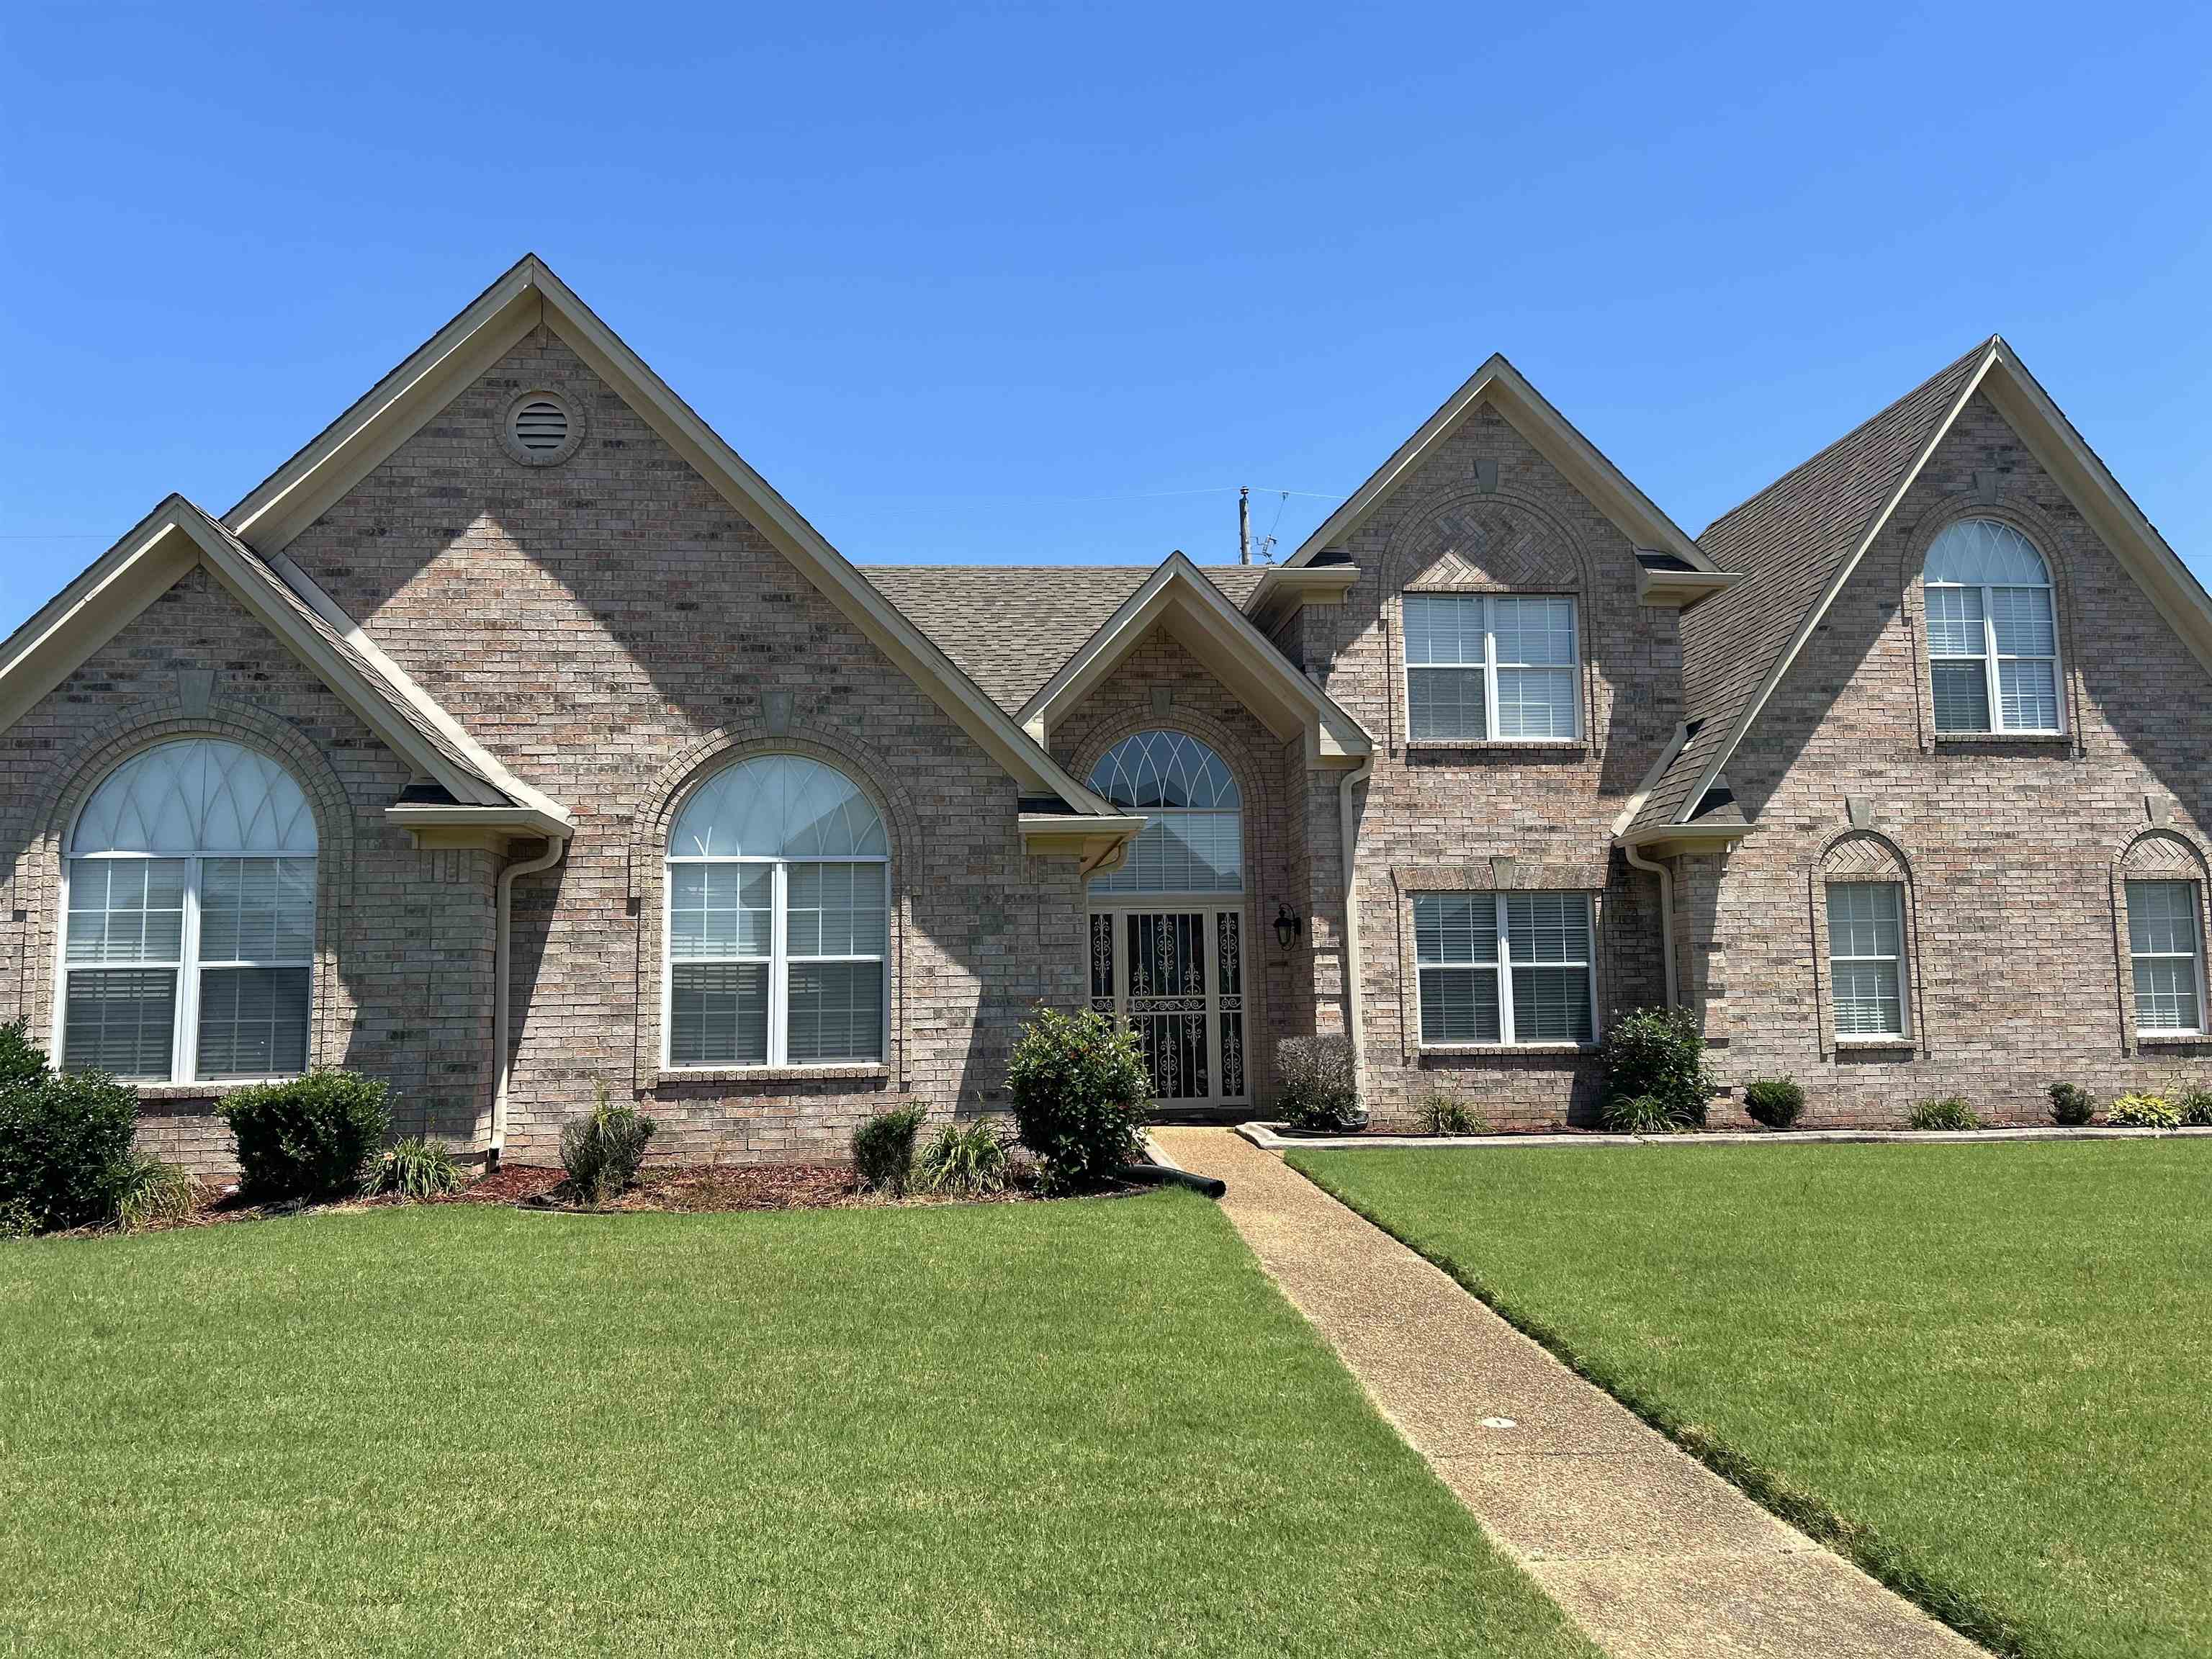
401	404
1503	386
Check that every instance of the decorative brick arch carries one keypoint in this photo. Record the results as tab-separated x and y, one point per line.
76	773
1860	854
875	777
2050	541
2160	854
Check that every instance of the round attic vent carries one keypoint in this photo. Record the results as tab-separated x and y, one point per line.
542	428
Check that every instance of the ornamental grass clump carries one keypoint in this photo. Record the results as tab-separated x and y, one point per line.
150	1191
602	1153
1950	1113
1637	1115
1774	1101
416	1168
2195	1106
1655	1054
883	1149
1318	1087
2143	1112
2071	1105
1079	1087
1445	1113
969	1159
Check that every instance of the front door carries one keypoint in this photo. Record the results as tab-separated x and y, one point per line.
1177	976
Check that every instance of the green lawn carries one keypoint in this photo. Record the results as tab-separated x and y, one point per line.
1990	1366
1090	1427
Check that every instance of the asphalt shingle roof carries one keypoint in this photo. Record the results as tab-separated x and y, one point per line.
1789	541
1009	628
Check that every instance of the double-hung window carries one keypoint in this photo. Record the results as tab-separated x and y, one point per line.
1504	968
2165	947
1993	632
778	881
1481	667
1866	958
188	933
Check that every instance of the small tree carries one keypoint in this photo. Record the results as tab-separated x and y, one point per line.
1079	1087
1658	1053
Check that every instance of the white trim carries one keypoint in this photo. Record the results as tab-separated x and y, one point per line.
1601	483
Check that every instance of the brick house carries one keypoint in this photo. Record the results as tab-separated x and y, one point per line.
515	740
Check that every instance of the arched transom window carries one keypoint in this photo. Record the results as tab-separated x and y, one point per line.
778	919
188	930
1992	631
1193	841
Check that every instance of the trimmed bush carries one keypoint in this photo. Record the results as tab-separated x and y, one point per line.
883	1149
2143	1112
1079	1087
418	1167
2071	1105
310	1137
1659	1054
967	1157
1637	1115
1319	1085
1774	1101
1446	1114
149	1190
1949	1113
65	1141
601	1152
2195	1106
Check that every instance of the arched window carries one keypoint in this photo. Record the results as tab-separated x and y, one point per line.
778	919
1992	631
188	927
1193	841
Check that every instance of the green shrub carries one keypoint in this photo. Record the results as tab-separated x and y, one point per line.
1774	1101
2195	1106
149	1190
1319	1086
1637	1115
1079	1087
601	1152
2071	1105
1446	1114
418	1167
1948	1112
309	1137
2143	1112
967	1157
65	1140
883	1149
1659	1054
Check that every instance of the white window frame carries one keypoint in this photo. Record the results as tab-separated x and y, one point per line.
2194	956
184	1036
1990	658
1489	666
1502	969
778	961
1904	1031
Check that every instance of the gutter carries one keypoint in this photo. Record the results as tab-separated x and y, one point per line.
557	849
1634	854
1354	1018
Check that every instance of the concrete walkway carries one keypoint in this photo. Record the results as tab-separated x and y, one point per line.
1648	1551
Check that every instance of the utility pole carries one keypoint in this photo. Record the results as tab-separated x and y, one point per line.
1244	525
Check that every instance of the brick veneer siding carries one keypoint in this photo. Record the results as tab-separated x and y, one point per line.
404	947
2020	975
596	622
1439	815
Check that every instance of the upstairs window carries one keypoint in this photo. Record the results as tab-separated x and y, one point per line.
1483	667
188	927
1504	968
1193	841
1992	631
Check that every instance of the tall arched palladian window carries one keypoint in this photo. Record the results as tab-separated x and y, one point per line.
188	931
778	882
1167	928
1992	631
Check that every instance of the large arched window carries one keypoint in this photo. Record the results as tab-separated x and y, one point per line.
1992	631
188	927
778	919
1193	841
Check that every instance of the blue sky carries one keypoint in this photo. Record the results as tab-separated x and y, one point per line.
1036	283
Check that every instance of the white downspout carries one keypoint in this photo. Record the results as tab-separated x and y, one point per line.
502	956
1637	860
1354	1018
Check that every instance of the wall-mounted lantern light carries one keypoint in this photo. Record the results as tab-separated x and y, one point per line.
1287	925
